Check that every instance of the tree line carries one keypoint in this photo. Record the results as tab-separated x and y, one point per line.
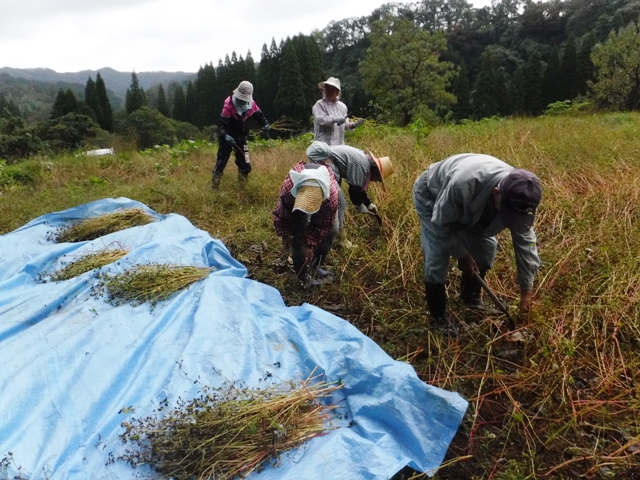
431	61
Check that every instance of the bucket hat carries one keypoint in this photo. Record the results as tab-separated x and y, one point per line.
244	91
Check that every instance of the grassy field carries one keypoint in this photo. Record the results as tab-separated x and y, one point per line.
557	398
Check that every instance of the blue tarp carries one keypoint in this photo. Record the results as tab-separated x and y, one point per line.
73	366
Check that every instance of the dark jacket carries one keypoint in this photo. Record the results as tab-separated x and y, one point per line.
232	123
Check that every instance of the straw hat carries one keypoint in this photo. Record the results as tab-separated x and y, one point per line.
333	81
383	164
244	91
308	199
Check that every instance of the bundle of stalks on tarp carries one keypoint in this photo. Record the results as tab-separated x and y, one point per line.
92	228
88	262
151	282
230	432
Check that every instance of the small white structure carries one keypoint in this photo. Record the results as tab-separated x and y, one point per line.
99	152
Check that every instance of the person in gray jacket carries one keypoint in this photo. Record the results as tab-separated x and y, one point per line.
330	115
463	202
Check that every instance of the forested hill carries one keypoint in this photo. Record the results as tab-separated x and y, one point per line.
116	81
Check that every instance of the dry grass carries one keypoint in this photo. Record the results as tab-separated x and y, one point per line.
96	227
152	283
88	262
557	399
231	432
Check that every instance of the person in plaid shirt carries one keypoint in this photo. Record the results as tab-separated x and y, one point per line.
306	218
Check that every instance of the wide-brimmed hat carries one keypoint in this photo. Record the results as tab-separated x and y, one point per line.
382	164
520	194
333	81
244	91
308	199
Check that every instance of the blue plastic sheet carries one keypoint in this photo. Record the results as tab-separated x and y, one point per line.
73	367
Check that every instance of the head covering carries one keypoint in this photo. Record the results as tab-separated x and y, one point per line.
382	164
311	186
318	151
244	91
333	81
520	194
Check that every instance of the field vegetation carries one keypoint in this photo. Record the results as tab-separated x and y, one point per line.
556	398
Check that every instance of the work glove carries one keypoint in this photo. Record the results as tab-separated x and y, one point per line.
362	208
339	120
267	131
358	123
229	139
372	208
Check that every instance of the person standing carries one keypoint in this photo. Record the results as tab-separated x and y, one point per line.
358	168
462	203
330	115
233	132
306	218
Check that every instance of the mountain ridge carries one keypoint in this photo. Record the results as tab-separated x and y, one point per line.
114	80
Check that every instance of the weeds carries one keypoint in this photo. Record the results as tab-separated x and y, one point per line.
92	228
88	262
231	431
151	283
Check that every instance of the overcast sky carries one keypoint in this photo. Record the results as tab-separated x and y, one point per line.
151	35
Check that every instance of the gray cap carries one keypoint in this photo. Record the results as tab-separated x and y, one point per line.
520	193
318	151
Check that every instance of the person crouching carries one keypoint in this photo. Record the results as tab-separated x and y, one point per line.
306	218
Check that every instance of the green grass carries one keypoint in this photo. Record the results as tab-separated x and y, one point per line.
557	400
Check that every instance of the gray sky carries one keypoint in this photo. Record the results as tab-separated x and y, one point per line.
151	35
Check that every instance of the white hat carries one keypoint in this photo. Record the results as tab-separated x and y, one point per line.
244	91
333	81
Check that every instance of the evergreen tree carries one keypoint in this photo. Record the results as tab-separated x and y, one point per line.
92	100
569	70
106	122
191	104
267	78
551	83
484	100
163	106
135	97
310	65
179	104
534	99
460	88
65	103
586	68
290	100
250	68
8	109
208	107
518	89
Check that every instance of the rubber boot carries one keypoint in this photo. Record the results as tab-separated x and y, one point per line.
471	290
316	266
436	296
342	241
215	181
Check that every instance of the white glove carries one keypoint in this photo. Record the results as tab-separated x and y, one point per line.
372	208
362	208
358	123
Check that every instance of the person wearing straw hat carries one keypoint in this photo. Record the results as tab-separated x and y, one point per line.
233	132
306	218
358	168
330	115
463	202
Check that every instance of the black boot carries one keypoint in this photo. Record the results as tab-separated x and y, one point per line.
436	296
471	290
215	181
316	267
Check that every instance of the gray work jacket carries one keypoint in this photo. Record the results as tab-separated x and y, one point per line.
461	188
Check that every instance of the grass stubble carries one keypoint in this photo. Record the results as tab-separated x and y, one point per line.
558	397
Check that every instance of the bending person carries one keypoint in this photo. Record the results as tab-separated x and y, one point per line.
358	168
463	202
